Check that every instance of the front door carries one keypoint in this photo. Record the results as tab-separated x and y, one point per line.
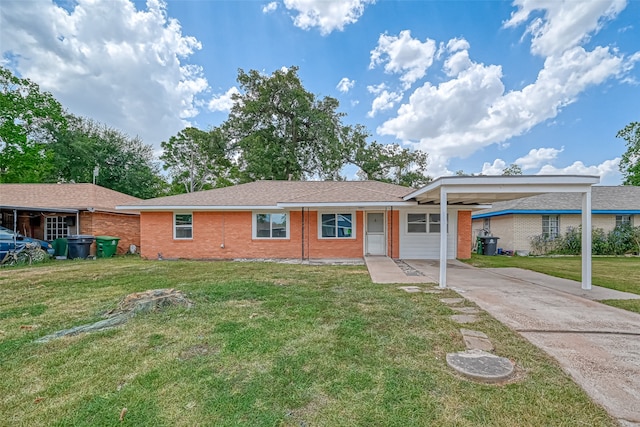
375	234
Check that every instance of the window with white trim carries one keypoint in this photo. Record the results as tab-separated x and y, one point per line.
624	220
183	226
434	223
55	227
270	226
416	223
337	226
550	226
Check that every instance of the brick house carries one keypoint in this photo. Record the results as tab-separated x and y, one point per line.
299	219
51	211
515	222
339	219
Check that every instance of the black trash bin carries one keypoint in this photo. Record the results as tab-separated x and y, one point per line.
489	245
79	245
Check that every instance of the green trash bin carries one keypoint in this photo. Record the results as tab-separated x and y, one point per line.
106	246
60	248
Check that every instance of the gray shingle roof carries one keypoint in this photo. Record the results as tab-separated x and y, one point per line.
270	193
619	198
63	196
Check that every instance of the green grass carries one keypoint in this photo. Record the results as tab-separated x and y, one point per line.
264	345
619	273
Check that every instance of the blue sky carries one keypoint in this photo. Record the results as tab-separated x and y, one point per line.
476	84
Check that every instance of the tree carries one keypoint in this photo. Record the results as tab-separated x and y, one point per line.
125	164
282	131
385	162
27	119
630	164
197	160
512	169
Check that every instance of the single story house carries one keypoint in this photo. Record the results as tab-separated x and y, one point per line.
516	222
298	219
338	219
51	211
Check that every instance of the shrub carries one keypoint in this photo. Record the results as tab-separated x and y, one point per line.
619	241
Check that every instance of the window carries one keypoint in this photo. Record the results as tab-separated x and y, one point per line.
55	227
416	223
434	223
270	226
550	226
623	220
183	226
337	225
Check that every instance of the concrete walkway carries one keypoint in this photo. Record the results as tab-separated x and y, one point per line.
598	345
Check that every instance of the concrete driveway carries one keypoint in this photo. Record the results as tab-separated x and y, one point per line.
598	345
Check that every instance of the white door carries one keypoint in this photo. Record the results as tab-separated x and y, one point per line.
375	235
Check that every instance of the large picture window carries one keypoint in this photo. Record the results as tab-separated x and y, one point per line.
550	226
416	223
183	226
337	225
271	226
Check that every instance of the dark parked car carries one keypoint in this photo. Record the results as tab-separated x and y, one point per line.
7	242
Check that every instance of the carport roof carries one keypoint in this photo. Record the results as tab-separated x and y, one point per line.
474	190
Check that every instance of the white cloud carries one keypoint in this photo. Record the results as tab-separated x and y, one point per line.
344	85
494	169
223	102
606	170
404	55
537	157
108	61
328	16
268	8
384	101
472	109
565	24
376	89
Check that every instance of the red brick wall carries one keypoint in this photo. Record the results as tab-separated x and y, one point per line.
234	230
393	234
125	226
464	235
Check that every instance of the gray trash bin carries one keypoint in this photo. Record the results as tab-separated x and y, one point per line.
489	245
79	245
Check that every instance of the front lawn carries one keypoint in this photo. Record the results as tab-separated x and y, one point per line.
264	345
620	273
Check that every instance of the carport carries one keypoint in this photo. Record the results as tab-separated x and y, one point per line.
484	190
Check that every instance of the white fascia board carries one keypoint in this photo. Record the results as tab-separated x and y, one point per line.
345	204
197	208
459	184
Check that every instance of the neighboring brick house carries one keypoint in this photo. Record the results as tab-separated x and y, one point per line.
515	222
50	211
299	219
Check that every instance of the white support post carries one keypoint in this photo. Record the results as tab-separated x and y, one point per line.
443	238
586	240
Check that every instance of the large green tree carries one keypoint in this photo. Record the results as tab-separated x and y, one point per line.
282	131
630	163
28	117
198	160
385	162
123	163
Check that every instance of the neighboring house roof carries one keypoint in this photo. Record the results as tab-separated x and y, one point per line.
604	200
278	194
63	196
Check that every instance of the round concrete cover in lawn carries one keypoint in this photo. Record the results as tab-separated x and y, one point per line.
481	366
